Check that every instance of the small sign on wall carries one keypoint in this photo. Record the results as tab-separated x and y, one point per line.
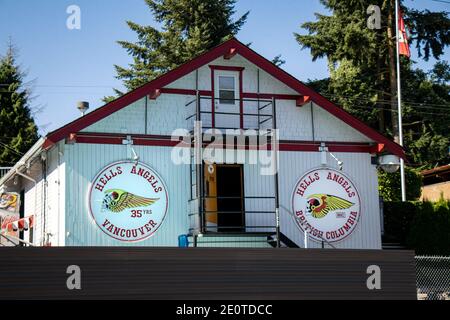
128	201
326	205
9	214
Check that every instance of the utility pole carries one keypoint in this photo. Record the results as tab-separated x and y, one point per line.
399	100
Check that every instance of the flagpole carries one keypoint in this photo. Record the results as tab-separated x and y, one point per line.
399	97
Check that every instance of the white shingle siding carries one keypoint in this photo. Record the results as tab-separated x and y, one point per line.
46	200
71	168
169	112
358	168
130	119
84	162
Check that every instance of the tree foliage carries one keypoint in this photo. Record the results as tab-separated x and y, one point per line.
362	72
389	185
189	27
18	132
420	226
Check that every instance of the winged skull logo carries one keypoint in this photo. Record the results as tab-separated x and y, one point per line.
319	205
117	200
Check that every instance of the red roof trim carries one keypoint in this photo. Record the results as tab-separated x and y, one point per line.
226	68
129	98
320	100
269	96
220	50
187	92
166	141
249	95
230	54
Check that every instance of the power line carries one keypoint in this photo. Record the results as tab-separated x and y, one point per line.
441	1
445	115
419	105
382	92
11	149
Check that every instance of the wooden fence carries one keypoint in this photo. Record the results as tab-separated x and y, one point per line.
204	273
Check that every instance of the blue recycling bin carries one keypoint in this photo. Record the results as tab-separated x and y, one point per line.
183	241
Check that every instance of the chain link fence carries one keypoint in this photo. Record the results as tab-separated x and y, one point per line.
433	278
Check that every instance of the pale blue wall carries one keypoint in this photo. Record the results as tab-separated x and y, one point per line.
84	161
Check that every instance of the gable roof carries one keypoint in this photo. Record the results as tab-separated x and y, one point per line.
234	46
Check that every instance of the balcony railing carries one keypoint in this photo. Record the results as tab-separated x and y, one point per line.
256	114
4	170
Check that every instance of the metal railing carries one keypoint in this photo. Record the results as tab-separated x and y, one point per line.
243	114
4	170
210	116
433	277
249	215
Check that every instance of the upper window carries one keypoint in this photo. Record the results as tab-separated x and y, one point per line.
227	89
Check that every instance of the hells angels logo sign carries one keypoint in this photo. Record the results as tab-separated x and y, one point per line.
128	201
326	205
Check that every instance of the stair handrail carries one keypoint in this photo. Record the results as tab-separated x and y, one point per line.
323	240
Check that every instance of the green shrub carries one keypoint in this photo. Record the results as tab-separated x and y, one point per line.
390	188
422	226
398	217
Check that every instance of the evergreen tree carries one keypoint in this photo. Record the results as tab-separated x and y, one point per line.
363	73
18	132
189	27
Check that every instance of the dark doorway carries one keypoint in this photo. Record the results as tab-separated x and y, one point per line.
230	193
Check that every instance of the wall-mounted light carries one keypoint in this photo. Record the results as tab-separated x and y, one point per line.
339	162
131	153
323	154
135	155
323	149
389	163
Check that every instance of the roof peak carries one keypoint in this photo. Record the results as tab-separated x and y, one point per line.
203	59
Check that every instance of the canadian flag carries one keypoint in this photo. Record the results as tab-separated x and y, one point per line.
403	37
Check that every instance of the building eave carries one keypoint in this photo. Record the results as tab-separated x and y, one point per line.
29	155
222	50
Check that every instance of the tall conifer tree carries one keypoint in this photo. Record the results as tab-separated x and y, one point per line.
18	131
189	27
363	73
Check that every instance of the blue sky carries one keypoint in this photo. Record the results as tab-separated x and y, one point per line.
66	66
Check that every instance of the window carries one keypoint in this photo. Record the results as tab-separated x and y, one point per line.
227	90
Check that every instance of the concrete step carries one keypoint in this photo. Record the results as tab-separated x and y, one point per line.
231	241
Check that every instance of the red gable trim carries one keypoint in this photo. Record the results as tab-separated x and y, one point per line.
205	58
127	99
187	92
269	96
301	88
226	68
320	100
166	141
230	54
249	95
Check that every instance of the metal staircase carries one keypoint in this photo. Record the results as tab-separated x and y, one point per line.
202	235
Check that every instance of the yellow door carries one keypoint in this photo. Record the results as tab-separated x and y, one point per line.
211	197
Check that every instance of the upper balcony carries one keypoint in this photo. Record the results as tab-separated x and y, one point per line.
231	114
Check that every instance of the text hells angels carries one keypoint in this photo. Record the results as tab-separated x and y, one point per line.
107	176
342	181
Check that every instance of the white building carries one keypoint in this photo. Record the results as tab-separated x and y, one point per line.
113	177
